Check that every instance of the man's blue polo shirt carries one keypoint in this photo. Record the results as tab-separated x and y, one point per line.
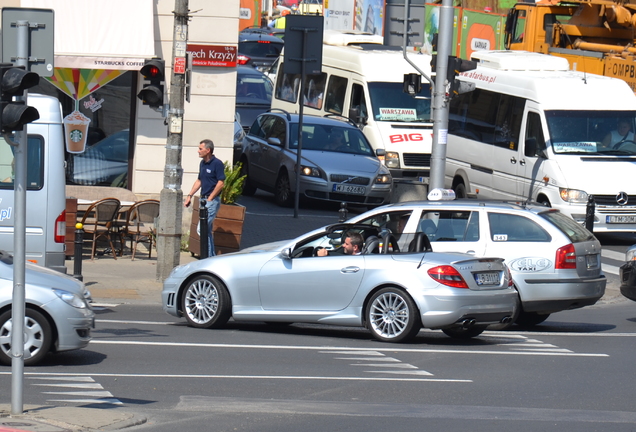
209	174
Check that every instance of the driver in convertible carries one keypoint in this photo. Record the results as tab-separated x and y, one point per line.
352	246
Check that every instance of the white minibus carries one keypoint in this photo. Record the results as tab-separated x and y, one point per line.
363	80
532	130
45	189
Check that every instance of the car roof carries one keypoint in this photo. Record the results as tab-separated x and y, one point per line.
312	119
252	37
469	203
249	70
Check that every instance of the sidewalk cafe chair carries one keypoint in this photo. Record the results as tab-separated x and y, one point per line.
140	226
98	222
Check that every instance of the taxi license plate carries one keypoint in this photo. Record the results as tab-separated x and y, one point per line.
491	278
620	219
349	189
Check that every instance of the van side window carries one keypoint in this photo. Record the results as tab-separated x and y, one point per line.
534	135
287	86
334	102
315	90
508	123
513	228
358	101
35	164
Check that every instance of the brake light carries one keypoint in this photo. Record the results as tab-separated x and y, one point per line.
262	41
242	59
447	275
60	228
565	257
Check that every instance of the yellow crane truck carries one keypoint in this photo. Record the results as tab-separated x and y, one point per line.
595	36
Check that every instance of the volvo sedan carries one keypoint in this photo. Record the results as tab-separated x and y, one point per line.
392	293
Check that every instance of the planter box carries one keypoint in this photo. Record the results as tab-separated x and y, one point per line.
228	228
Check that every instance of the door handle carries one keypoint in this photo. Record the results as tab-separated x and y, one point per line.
470	252
522	162
350	269
513	160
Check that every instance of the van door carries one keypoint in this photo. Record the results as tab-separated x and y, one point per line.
532	154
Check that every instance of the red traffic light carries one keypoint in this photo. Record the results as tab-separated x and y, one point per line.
153	70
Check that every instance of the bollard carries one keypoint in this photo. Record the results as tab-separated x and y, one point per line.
342	213
590	209
77	253
203	229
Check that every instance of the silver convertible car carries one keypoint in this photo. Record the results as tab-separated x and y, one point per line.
58	316
393	293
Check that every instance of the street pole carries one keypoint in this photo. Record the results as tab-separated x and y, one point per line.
171	197
440	102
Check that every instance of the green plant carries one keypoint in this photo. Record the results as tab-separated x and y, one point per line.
233	183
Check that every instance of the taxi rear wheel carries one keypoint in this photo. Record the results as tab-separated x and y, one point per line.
392	316
206	302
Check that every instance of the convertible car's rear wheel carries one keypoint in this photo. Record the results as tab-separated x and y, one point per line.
206	302
392	316
529	319
37	337
463	333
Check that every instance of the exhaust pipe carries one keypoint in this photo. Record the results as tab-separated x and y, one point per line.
506	320
468	323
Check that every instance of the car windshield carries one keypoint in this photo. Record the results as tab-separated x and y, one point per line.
575	232
253	89
390	103
592	132
331	138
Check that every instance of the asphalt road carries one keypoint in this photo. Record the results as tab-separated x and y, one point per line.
572	373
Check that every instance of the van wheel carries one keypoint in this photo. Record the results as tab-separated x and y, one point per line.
282	190
544	201
460	191
248	188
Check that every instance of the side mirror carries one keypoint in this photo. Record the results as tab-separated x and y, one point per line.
274	141
286	253
354	114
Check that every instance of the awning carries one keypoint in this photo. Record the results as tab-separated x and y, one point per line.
113	35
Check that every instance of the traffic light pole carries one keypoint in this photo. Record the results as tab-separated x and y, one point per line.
171	196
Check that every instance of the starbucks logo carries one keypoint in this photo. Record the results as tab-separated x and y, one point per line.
76	135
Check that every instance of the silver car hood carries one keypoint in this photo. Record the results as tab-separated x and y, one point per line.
342	162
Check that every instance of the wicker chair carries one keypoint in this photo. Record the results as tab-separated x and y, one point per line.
140	226
98	222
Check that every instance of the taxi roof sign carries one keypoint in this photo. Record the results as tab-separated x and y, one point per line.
439	194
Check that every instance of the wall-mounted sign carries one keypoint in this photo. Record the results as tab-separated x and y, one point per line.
179	65
212	55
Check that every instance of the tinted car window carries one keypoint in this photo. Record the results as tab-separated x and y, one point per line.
513	228
575	232
261	126
260	48
450	225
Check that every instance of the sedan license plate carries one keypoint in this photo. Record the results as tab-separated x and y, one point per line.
490	278
350	189
620	219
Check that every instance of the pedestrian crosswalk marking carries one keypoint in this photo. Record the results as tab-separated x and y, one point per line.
90	391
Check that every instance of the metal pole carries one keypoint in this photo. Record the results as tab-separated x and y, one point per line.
440	102
171	196
590	209
19	243
301	101
77	252
203	230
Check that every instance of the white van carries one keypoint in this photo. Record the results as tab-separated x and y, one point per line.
45	194
363	80
534	131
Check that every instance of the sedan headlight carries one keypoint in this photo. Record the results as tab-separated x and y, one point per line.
392	159
71	298
573	195
630	255
309	171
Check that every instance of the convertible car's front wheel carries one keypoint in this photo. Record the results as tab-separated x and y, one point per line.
392	316
38	337
206	302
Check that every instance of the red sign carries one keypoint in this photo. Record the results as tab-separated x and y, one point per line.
212	55
179	65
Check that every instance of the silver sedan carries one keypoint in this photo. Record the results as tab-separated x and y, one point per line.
57	316
394	294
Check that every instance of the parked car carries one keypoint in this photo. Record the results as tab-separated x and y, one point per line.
253	94
58	316
103	164
392	293
258	50
348	172
555	262
239	134
278	32
628	274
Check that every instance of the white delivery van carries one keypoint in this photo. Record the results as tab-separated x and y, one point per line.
363	80
45	193
533	130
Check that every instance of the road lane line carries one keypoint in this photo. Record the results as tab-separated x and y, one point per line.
322	348
610	269
611	254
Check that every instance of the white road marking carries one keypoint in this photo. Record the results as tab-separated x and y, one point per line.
78	385
610	269
385	359
398	365
75	382
98	394
611	254
323	349
112	401
416	372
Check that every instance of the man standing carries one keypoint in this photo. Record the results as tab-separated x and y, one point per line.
211	179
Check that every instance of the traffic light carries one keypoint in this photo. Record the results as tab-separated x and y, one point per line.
153	72
455	66
13	81
412	84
